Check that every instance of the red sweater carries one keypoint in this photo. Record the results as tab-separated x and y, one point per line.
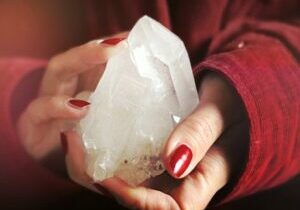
254	44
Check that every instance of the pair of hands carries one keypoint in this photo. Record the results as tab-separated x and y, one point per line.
200	155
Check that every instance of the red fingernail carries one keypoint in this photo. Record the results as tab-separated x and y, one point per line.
103	190
64	143
180	160
112	41
77	103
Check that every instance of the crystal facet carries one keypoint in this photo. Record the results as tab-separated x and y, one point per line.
146	89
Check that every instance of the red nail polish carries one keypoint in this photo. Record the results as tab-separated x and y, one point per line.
180	160
64	143
112	41
103	190
77	103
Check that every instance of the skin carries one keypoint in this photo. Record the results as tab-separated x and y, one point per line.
216	132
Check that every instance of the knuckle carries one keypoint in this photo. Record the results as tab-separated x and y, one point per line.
54	63
92	50
55	104
204	128
33	110
57	68
199	132
59	104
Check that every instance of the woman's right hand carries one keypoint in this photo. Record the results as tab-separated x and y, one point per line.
57	106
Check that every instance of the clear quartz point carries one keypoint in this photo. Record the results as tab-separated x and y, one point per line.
146	89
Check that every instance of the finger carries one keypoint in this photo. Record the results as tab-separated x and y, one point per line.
139	197
198	188
75	160
66	125
83	95
45	109
63	67
79	59
192	138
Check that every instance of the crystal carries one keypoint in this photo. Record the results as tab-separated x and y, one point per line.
146	90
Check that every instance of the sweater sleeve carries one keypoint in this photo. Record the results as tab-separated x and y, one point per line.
22	180
261	60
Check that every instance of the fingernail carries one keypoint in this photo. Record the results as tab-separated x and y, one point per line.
78	104
112	41
64	143
180	160
103	190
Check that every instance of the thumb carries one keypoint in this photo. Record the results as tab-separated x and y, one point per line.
210	175
193	137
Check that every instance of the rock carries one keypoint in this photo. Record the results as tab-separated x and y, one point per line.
146	89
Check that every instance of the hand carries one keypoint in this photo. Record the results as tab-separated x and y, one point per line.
56	109
201	154
214	137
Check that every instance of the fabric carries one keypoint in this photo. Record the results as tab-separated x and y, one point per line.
254	44
266	76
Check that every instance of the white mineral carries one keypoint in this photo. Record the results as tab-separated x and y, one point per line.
147	88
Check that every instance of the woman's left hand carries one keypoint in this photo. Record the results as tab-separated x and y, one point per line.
56	109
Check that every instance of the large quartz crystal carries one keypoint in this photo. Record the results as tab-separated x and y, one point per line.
147	88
